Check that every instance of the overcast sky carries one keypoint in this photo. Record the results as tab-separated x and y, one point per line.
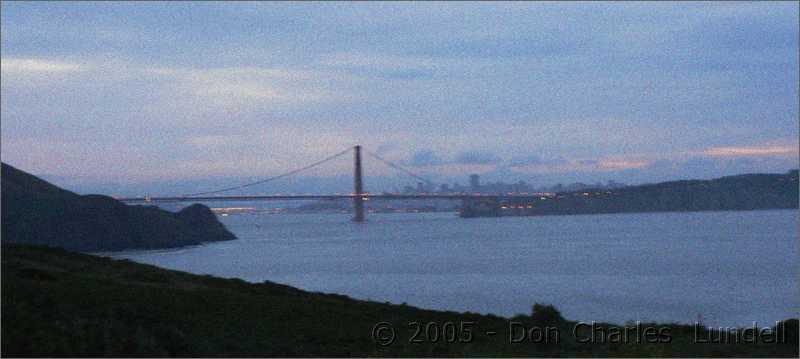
133	94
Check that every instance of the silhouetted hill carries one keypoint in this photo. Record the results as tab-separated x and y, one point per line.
37	212
56	303
741	192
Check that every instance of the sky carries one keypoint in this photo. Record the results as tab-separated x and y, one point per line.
135	97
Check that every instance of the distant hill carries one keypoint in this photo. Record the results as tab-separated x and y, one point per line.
37	212
741	192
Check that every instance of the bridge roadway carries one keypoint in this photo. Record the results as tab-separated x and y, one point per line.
365	196
358	196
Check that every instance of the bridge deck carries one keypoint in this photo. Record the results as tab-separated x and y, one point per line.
454	196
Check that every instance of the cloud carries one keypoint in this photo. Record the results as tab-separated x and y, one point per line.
409	74
477	158
751	151
533	160
387	147
237	86
622	164
591	88
226	87
382	66
40	66
78	159
376	61
605	164
213	141
425	158
428	158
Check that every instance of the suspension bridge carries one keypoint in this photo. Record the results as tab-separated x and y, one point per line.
471	202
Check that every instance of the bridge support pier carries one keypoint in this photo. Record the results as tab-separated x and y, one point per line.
358	199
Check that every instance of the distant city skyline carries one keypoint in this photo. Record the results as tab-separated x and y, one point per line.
159	97
476	186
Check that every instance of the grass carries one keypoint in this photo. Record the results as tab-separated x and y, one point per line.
58	303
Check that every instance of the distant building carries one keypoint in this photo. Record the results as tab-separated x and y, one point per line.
420	187
444	188
474	182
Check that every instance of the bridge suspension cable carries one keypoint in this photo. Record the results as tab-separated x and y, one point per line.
399	168
287	174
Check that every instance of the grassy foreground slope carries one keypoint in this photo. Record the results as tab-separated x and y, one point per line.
56	302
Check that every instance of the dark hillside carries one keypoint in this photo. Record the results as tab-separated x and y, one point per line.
56	303
732	193
37	212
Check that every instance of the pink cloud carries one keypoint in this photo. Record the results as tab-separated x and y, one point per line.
623	164
751	151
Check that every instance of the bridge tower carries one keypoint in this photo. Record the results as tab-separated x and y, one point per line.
358	199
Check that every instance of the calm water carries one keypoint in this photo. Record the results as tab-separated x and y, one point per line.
732	268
